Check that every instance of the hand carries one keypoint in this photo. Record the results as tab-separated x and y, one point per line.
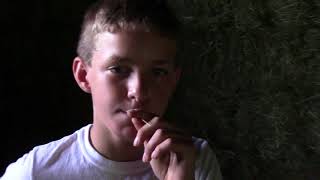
170	152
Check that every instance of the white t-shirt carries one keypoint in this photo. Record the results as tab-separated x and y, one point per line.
73	158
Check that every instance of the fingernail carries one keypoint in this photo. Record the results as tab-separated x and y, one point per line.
136	141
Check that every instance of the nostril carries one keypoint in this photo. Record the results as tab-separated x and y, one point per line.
139	94
139	99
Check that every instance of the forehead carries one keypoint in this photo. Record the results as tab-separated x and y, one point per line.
136	45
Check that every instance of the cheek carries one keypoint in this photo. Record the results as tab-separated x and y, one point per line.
116	86
115	91
161	95
108	92
164	88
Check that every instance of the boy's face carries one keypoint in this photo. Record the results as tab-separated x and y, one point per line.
130	70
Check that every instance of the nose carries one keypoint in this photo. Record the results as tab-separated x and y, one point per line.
139	88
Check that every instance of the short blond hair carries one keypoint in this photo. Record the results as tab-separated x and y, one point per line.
117	15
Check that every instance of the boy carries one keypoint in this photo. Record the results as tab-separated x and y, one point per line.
126	61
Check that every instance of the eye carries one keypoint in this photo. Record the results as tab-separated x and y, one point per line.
160	71
119	70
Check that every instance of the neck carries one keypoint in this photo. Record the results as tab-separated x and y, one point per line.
106	144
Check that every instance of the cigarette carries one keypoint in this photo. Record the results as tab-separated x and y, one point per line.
146	122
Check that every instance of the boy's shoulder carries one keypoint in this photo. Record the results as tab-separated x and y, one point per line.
200	143
207	164
55	148
46	156
202	146
51	151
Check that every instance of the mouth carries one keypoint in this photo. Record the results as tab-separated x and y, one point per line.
138	113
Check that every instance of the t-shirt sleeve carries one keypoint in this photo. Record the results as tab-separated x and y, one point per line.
19	170
207	166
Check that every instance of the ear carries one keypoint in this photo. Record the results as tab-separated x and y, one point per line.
80	73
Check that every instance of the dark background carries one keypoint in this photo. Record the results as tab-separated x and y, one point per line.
251	84
40	100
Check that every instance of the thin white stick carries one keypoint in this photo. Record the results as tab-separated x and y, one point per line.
146	122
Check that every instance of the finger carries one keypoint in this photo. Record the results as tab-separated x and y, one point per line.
180	147
158	137
144	157
138	124
147	130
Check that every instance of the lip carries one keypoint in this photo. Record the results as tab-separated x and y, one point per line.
135	109
141	114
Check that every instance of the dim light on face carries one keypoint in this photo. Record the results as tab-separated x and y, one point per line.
130	70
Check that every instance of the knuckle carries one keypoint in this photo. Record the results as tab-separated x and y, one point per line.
140	133
156	120
159	132
158	149
149	146
169	141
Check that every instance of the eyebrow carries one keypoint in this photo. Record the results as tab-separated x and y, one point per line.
163	62
118	58
155	61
